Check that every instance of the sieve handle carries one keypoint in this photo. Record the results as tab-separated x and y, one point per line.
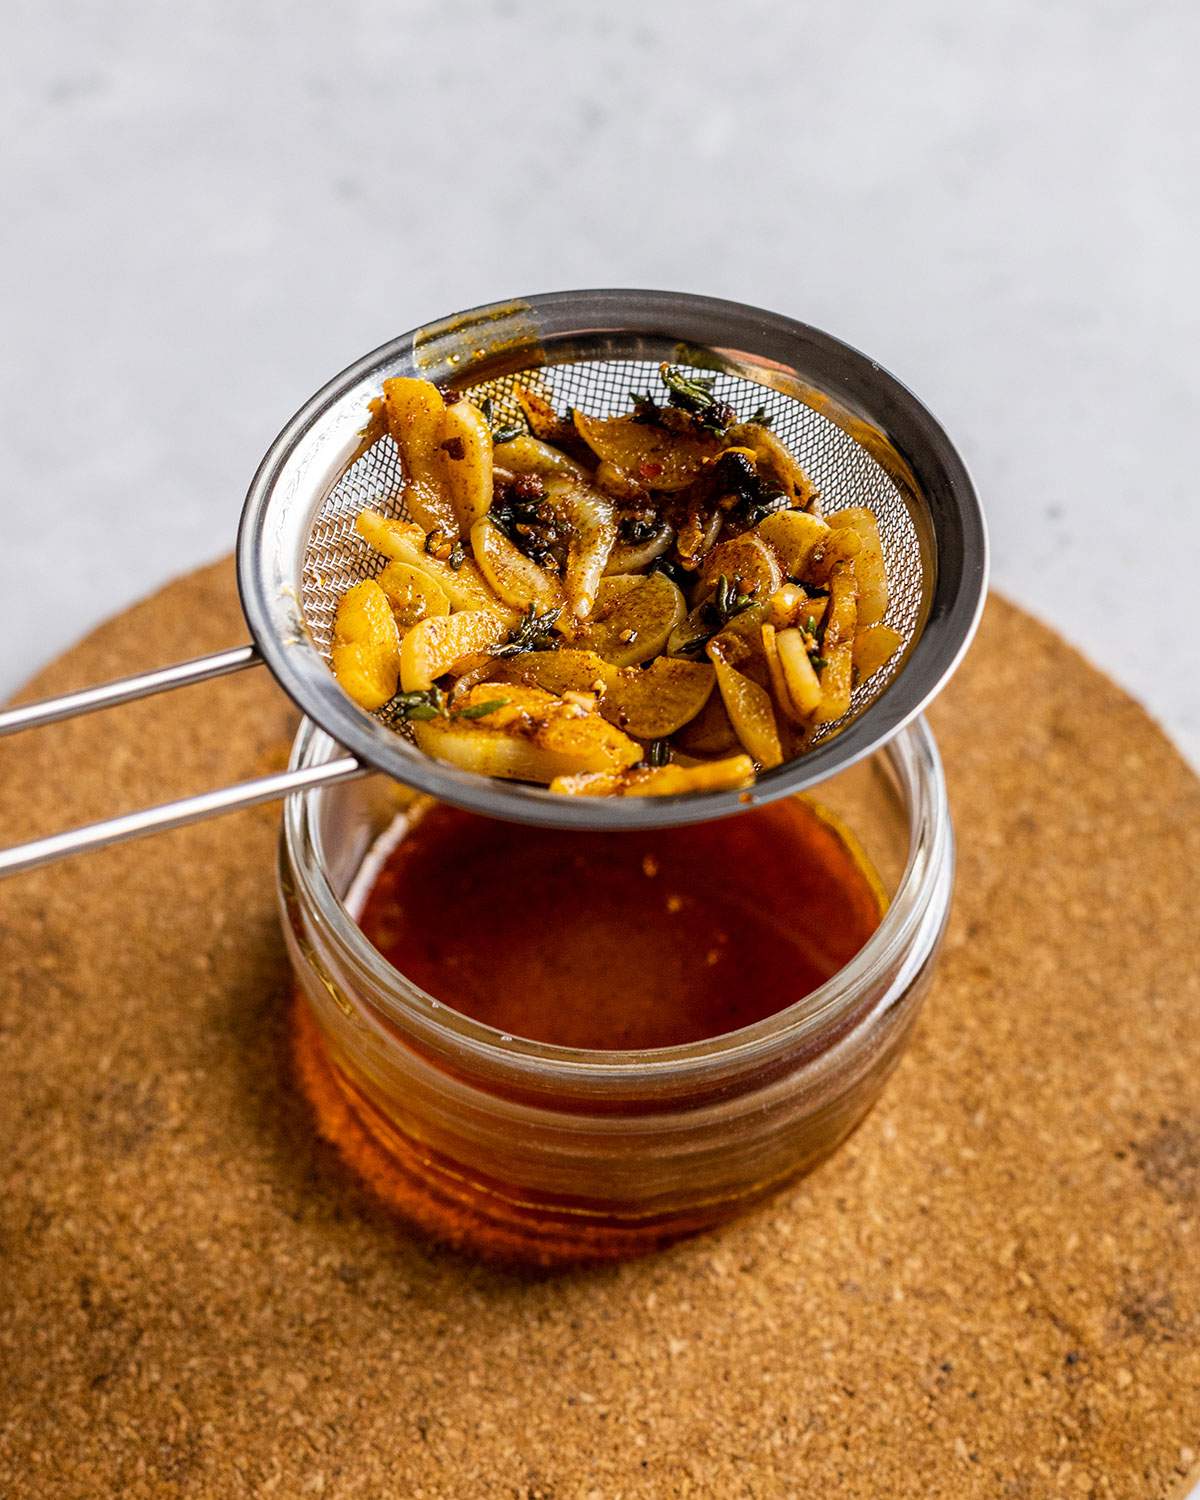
126	689
175	814
136	825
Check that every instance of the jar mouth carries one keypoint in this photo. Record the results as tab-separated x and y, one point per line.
913	758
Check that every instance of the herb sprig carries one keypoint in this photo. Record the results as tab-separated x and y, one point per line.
756	497
432	703
729	599
727	602
532	634
477	710
694	394
418	706
646	409
506	431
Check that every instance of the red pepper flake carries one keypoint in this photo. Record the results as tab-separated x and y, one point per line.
649	470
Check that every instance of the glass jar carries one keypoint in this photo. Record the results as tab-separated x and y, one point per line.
523	1151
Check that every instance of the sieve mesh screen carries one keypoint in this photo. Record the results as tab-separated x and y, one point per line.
841	468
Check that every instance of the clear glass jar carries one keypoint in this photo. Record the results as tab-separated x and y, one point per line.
523	1151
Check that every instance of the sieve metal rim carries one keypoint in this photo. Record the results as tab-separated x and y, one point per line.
314	448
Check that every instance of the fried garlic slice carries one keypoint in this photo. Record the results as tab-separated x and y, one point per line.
640	623
366	645
660	781
433	645
526	735
748	705
464	585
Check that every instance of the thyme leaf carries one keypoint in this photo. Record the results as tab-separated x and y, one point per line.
735	474
430	704
694	394
762	417
506	431
477	710
658	753
532	634
697	645
729	599
716	614
674	570
646	409
635	529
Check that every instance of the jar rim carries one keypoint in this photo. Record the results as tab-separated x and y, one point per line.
914	759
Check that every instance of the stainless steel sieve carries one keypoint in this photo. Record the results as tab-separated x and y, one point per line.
858	433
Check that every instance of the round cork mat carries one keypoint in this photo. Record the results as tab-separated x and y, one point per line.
993	1290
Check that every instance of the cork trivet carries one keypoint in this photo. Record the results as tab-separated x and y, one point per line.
993	1290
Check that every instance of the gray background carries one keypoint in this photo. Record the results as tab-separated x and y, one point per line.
209	209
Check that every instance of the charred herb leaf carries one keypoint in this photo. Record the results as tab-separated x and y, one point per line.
532	634
645	408
767	506
694	394
658	753
697	645
735	474
673	569
635	529
522	514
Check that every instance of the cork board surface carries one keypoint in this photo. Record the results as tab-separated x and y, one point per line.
993	1290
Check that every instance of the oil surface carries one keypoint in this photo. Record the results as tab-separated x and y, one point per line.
622	940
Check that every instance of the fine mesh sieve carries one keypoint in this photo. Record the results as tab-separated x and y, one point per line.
861	437
841	468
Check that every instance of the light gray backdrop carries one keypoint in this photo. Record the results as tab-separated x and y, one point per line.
209	209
